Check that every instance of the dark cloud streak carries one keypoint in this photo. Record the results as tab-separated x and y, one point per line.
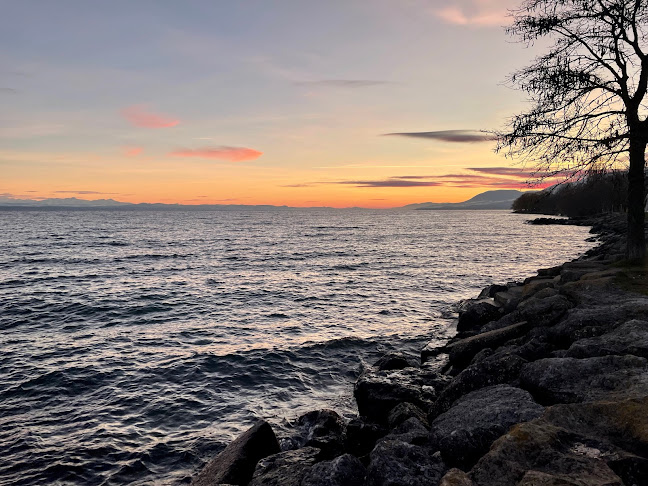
452	136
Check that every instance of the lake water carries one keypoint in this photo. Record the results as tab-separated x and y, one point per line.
135	344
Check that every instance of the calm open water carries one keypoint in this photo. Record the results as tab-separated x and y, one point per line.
134	345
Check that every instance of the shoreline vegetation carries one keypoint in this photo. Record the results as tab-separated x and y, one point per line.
545	383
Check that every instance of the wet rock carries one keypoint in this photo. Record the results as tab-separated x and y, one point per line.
396	463
544	293
628	338
378	392
323	429
476	315
463	351
491	371
510	299
285	469
345	470
361	436
465	432
537	453
456	477
394	361
236	463
570	380
411	431
403	411
550	272
491	290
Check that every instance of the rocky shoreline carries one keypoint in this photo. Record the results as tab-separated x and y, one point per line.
545	383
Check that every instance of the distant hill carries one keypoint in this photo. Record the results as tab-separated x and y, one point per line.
62	202
498	199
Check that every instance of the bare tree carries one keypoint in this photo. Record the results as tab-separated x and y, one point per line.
588	95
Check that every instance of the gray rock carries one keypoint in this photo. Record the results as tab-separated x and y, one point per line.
378	392
544	312
628	338
476	315
286	468
345	470
463	351
411	431
491	290
490	371
396	463
236	463
465	432
570	380
394	361
403	411
361	436
323	429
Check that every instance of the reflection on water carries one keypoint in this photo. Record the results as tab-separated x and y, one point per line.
136	343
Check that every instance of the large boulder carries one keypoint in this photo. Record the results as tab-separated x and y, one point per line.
465	432
464	350
286	468
488	372
570	380
594	443
476	315
236	463
345	470
397	463
536	453
629	338
378	392
323	429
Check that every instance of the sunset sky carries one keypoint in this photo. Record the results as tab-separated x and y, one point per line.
256	102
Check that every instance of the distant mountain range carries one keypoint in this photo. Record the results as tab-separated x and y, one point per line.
500	199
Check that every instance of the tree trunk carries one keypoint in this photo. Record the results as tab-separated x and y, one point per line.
636	247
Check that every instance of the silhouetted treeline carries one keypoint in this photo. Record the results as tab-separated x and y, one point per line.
599	192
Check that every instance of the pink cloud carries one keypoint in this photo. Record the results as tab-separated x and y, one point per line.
479	13
231	154
132	151
140	117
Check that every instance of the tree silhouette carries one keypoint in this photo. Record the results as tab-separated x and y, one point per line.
588	95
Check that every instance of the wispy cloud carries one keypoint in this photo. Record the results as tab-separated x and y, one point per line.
476	13
342	83
132	151
8	90
453	136
230	154
140	116
390	183
85	193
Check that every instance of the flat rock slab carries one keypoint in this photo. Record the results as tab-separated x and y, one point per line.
396	463
236	463
628	338
465	432
346	470
286	468
571	380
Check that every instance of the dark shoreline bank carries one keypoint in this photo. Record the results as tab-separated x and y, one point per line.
545	383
